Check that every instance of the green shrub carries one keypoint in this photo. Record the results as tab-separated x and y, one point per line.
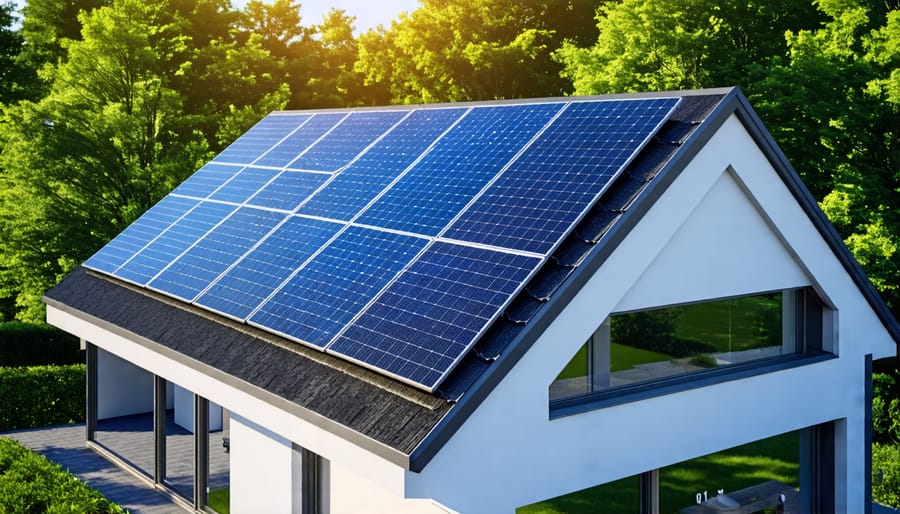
41	395
31	483
885	408
26	344
886	474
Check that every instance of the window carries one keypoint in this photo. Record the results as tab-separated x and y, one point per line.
693	340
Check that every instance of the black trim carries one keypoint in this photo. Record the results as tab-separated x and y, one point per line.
679	383
869	394
201	451
159	429
90	405
648	492
311	482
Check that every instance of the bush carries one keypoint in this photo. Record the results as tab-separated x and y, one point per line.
25	344
41	395
31	483
886	474
885	408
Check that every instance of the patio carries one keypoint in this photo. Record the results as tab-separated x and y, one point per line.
65	445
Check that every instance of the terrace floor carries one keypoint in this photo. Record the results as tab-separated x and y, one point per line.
65	445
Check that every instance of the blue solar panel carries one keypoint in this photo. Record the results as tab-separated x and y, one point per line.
211	256
260	272
329	291
244	185
171	243
206	180
356	186
347	140
138	234
548	189
424	323
256	141
458	166
288	190
294	144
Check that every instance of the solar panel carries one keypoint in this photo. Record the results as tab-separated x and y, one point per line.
393	238
245	286
260	138
458	166
206	180
331	289
549	187
307	133
287	190
195	270
357	185
424	323
244	185
346	140
177	238
151	224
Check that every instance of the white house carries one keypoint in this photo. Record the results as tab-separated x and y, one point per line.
475	307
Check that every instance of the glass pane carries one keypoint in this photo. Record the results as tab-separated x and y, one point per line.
219	486
621	496
750	478
180	442
655	344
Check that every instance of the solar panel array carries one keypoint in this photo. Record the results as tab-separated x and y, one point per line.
391	237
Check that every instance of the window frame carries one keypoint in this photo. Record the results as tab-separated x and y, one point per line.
811	339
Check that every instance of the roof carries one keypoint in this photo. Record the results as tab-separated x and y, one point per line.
397	420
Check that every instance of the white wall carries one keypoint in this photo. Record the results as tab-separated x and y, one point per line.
262	471
123	388
184	410
354	494
509	453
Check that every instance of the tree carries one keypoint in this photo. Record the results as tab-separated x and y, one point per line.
105	144
17	81
462	50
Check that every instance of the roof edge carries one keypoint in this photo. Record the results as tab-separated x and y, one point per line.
390	454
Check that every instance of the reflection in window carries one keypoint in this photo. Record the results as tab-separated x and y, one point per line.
655	344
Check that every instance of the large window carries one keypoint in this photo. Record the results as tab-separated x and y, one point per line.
655	345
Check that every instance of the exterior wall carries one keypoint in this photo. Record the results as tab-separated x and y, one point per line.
123	388
509	453
261	469
184	410
354	494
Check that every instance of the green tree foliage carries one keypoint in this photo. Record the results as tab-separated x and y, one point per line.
17	81
106	143
823	76
455	50
40	396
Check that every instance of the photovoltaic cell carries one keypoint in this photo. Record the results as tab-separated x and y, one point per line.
295	143
357	185
130	241
259	273
244	185
173	241
206	180
350	137
260	138
458	166
423	324
540	197
214	253
288	190
329	291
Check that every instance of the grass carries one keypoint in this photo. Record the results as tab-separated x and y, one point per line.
776	458
220	500
728	325
624	357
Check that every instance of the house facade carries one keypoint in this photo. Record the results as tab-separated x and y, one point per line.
570	384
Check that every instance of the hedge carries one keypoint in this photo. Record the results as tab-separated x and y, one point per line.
29	483
26	344
886	474
41	396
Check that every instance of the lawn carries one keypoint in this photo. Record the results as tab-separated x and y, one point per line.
219	500
728	325
776	458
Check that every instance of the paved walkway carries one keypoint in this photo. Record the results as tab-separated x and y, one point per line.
65	445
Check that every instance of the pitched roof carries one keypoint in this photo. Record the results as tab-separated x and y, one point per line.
394	419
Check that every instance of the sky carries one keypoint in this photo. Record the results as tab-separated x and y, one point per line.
369	13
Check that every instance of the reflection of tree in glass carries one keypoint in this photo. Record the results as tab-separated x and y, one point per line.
655	331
